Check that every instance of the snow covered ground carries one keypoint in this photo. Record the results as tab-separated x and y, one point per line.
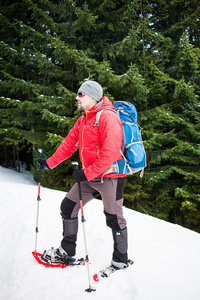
166	256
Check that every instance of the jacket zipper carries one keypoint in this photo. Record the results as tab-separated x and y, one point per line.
81	154
97	150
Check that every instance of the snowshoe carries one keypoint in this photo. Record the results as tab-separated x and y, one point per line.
57	258
115	266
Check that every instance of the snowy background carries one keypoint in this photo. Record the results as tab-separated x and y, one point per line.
166	256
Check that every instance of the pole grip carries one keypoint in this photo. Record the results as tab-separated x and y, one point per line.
41	153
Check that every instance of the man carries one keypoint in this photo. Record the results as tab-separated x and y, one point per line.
99	147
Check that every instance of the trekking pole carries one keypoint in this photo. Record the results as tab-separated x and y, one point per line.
90	289
38	198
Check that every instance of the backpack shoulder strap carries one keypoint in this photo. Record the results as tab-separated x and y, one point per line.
98	114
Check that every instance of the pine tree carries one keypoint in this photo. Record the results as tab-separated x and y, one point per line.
187	60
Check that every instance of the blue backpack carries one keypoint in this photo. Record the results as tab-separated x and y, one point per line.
134	156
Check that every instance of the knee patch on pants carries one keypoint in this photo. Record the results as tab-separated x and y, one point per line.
67	207
111	221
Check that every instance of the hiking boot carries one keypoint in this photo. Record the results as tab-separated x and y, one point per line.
119	265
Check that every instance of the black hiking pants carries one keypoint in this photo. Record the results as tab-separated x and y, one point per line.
111	191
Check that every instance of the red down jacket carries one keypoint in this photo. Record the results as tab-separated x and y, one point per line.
99	146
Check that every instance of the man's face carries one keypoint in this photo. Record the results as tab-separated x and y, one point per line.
85	102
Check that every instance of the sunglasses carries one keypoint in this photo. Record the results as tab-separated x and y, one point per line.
80	94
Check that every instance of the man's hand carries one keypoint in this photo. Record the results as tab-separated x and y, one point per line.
42	164
79	176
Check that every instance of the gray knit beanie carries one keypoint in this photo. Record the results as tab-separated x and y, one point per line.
92	89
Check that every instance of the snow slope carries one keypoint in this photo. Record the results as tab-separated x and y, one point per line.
166	256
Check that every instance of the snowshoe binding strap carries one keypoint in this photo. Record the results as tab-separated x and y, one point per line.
57	256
